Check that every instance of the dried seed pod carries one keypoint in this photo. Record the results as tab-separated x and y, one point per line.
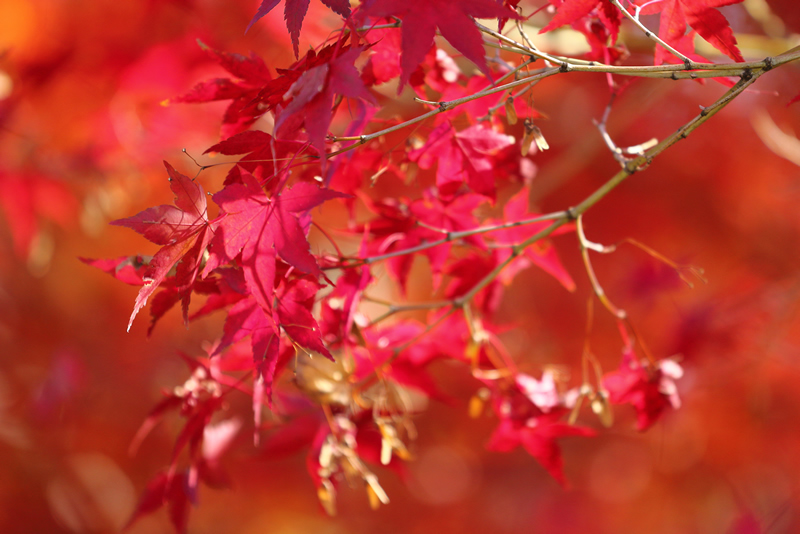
375	492
326	494
477	402
602	408
324	381
511	113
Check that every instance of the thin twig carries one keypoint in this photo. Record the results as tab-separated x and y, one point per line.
650	35
585	245
449	238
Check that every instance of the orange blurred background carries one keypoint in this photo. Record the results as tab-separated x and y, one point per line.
82	137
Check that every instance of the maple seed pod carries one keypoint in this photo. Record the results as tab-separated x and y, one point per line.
327	497
602	408
475	407
511	113
374	501
477	402
533	133
375	492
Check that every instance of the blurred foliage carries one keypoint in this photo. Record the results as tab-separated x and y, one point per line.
82	136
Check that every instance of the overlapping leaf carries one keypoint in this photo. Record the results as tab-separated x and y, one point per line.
294	12
263	229
182	230
465	157
311	97
250	74
701	16
453	19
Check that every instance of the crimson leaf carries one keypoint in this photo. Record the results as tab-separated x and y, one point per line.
454	20
183	231
294	12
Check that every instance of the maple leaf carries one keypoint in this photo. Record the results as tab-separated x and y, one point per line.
601	36
346	295
169	490
468	271
542	254
538	437
700	15
128	269
293	301
397	229
183	231
569	11
250	75
649	391
462	157
248	318
262	154
294	12
311	97
384	60
529	412
27	197
262	229
453	19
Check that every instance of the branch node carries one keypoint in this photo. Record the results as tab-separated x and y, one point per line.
564	67
571	214
747	74
687	63
768	63
631	167
674	75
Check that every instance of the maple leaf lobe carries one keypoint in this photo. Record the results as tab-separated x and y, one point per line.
454	20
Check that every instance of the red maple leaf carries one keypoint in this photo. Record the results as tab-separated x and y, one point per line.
542	254
649	390
463	157
128	269
294	12
529	412
538	437
397	229
165	489
250	74
247	318
598	20
262	229
700	15
311	97
264	157
570	11
183	231
453	19
26	198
